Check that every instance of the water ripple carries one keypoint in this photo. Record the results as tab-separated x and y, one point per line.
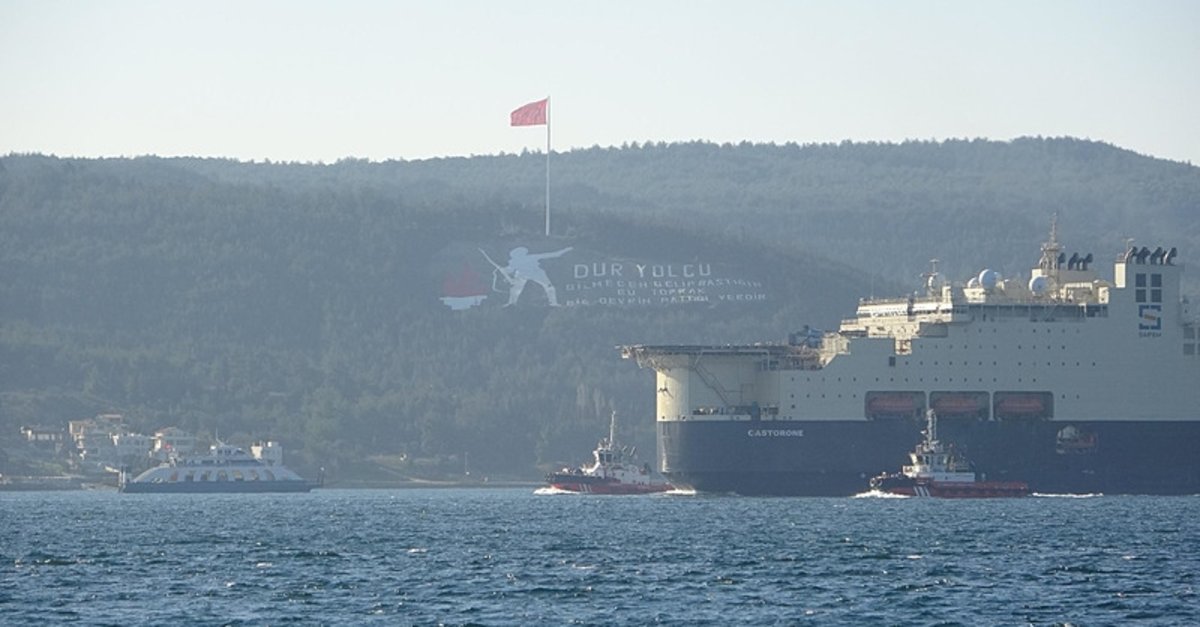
510	557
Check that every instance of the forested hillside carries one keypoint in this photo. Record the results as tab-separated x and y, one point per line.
358	309
968	203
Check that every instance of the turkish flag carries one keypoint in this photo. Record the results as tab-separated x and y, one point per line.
531	114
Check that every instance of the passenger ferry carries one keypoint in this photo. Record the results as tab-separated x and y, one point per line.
224	469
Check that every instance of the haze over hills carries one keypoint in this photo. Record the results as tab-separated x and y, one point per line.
360	308
912	199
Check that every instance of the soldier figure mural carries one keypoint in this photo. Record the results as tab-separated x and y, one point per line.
524	267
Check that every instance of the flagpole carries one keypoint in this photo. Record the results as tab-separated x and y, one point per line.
547	166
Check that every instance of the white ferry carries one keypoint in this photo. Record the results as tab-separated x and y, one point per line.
1072	382
224	469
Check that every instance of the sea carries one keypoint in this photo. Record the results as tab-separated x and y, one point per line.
524	556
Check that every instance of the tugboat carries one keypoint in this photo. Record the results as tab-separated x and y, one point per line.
938	471
614	471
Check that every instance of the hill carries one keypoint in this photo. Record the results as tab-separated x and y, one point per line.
353	309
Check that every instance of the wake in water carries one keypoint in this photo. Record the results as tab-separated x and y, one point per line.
1067	496
879	494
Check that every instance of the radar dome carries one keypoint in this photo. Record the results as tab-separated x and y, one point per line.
974	282
1038	285
988	279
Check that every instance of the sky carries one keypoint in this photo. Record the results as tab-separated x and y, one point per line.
307	81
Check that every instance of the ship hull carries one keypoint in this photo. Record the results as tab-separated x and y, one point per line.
903	485
601	485
838	458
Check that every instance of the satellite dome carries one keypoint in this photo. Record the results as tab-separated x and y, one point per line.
974	282
988	279
1038	285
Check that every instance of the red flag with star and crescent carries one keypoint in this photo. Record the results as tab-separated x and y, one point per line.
531	114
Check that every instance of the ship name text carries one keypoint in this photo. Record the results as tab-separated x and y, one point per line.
775	433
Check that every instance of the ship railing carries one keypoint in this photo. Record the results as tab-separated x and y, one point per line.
712	382
798	358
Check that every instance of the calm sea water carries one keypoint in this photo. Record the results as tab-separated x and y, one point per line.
510	556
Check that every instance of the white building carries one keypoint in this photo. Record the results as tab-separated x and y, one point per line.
172	441
131	447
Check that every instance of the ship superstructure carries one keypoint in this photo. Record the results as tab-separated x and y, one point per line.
1066	380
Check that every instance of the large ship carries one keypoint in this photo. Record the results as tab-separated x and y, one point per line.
1068	381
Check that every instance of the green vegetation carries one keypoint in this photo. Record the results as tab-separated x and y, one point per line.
296	301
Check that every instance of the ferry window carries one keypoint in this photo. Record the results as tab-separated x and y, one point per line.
1189	349
1156	296
1140	280
1189	333
1155	280
1140	296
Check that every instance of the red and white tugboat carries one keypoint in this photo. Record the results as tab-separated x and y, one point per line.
614	471
939	471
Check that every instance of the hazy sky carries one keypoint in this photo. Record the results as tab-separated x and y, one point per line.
317	81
